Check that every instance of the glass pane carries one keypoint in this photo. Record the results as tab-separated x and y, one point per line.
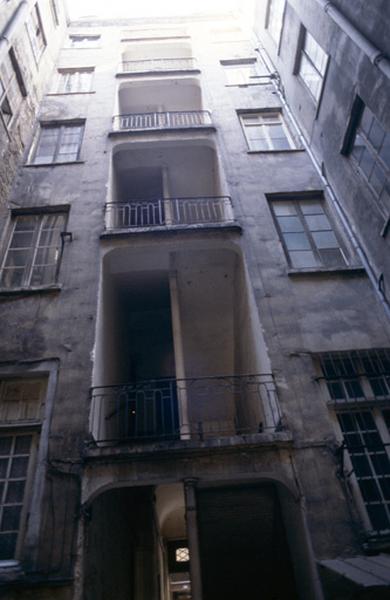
43	275
310	76
17	258
366	121
284	208
19	467
11	518
376	134
384	484
381	464
332	257
11	278
370	490
378	517
5	445
22	239
378	178
15	492
318	222
325	239
7	545
367	162
361	466
385	150
23	444
336	390
296	241
259	144
315	52
311	207
281	144
303	259
3	467
290	224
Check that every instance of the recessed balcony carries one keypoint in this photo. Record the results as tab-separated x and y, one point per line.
150	65
190	409
169	212
162	120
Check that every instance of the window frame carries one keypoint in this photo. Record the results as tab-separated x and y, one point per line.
354	130
32	32
239	64
301	52
242	114
277	40
61	126
12	90
54	12
62	73
305	197
30	261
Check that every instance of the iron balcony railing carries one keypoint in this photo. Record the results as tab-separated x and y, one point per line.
158	64
169	212
162	120
193	408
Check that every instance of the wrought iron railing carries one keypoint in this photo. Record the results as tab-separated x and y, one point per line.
158	64
193	408
168	212
162	120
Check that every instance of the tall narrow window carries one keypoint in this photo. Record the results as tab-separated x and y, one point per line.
307	234
312	65
54	12
36	33
10	93
266	131
73	81
33	250
275	18
370	150
58	144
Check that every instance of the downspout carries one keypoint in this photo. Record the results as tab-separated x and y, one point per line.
13	24
375	55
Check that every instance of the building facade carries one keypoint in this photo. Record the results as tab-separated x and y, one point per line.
195	369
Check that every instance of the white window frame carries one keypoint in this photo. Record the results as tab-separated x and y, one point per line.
44	240
10	92
310	233
263	121
72	78
36	34
275	19
317	63
241	72
62	129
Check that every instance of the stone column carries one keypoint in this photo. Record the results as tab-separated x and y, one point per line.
193	539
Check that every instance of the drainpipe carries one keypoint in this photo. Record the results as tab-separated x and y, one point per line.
375	55
16	20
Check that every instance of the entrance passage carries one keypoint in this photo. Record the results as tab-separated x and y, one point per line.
243	545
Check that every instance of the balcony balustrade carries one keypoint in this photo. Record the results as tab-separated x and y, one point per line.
169	212
162	120
159	64
193	408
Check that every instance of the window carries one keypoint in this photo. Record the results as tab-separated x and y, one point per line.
21	402
306	232
353	378
54	12
33	250
84	41
58	144
10	93
312	65
275	19
370	150
36	34
266	131
73	81
242	72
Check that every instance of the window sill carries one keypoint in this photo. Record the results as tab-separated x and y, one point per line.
81	48
26	291
313	271
55	164
251	84
287	151
70	93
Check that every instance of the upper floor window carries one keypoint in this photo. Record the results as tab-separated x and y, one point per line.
275	18
54	12
242	72
307	234
58	143
312	64
33	250
73	81
266	131
36	33
84	41
368	142
10	92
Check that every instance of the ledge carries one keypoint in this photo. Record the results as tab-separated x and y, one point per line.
351	271
156	72
54	164
152	130
70	93
27	291
287	151
178	447
171	230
